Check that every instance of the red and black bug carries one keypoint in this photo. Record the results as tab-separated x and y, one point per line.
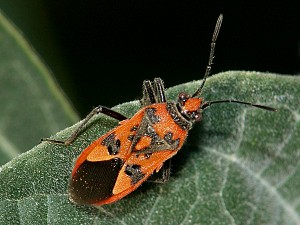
121	160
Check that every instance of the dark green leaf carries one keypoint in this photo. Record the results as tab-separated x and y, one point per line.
240	165
32	106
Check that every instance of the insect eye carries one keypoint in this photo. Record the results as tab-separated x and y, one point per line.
182	97
195	115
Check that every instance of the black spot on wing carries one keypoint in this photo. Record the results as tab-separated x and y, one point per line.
148	155
130	137
169	139
94	181
113	145
134	172
150	132
134	128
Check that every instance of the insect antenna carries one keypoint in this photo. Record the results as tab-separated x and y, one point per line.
209	103
211	54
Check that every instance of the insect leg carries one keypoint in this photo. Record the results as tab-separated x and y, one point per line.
163	174
148	93
153	92
159	90
95	111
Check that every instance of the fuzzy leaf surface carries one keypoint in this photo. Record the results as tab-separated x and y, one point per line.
240	165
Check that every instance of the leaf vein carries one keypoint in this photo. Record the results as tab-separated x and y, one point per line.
227	213
196	179
153	207
287	207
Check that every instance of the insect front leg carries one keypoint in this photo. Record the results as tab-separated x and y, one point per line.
100	109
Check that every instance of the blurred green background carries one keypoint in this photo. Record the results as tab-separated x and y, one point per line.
101	51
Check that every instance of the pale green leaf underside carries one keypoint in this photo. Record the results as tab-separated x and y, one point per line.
31	104
240	165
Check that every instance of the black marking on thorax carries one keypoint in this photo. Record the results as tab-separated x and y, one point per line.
113	145
157	143
150	112
134	172
177	117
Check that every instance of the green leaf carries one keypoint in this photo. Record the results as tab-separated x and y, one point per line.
240	165
32	106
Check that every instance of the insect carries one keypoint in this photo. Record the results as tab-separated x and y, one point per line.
122	159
